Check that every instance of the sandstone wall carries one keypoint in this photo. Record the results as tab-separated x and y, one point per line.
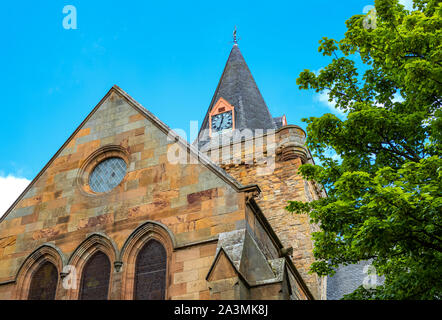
271	161
192	202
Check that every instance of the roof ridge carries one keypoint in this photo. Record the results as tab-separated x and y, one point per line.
162	126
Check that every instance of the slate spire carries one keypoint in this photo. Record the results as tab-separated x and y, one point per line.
238	87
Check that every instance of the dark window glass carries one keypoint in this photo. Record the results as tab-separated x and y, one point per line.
150	272
95	279
44	283
107	174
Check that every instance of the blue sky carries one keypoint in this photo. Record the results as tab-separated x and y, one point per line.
168	55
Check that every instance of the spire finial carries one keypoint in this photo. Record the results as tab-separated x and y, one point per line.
235	40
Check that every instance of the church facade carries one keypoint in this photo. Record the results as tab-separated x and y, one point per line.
127	209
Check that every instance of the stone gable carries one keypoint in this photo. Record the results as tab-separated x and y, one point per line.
187	206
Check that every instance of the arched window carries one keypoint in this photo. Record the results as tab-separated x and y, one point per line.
95	278
44	283
150	272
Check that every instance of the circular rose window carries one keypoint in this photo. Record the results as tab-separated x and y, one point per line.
107	174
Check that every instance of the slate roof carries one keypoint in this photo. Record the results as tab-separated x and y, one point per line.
239	88
347	279
278	122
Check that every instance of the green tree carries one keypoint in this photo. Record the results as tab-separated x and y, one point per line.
384	194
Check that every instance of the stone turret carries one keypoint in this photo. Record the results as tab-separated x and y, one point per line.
259	149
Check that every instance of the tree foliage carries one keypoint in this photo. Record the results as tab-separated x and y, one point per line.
384	194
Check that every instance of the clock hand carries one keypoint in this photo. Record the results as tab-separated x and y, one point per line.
222	121
227	117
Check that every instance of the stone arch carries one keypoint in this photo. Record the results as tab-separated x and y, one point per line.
43	254
149	230
96	242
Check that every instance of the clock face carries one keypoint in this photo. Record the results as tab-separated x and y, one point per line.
222	121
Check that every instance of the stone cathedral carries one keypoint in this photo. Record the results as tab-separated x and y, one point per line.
127	209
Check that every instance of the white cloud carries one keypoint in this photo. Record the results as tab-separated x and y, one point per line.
397	97
408	4
336	157
316	72
329	153
10	188
323	97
